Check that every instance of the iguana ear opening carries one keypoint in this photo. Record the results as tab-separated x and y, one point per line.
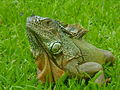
76	30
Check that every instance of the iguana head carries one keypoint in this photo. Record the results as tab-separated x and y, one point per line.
42	32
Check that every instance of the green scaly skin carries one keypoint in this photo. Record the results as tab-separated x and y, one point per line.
64	44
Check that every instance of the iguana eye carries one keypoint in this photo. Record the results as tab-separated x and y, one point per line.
46	22
55	47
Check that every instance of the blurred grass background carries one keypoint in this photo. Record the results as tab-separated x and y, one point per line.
17	66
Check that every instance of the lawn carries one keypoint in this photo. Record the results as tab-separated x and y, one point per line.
17	65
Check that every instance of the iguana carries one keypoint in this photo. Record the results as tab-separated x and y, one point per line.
59	48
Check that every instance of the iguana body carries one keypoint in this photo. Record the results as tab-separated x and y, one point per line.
60	48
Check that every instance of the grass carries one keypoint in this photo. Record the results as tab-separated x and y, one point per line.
17	66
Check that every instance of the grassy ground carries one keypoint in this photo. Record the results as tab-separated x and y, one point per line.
17	66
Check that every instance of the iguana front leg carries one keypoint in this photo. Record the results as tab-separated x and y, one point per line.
90	69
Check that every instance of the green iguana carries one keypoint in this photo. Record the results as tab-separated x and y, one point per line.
59	48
